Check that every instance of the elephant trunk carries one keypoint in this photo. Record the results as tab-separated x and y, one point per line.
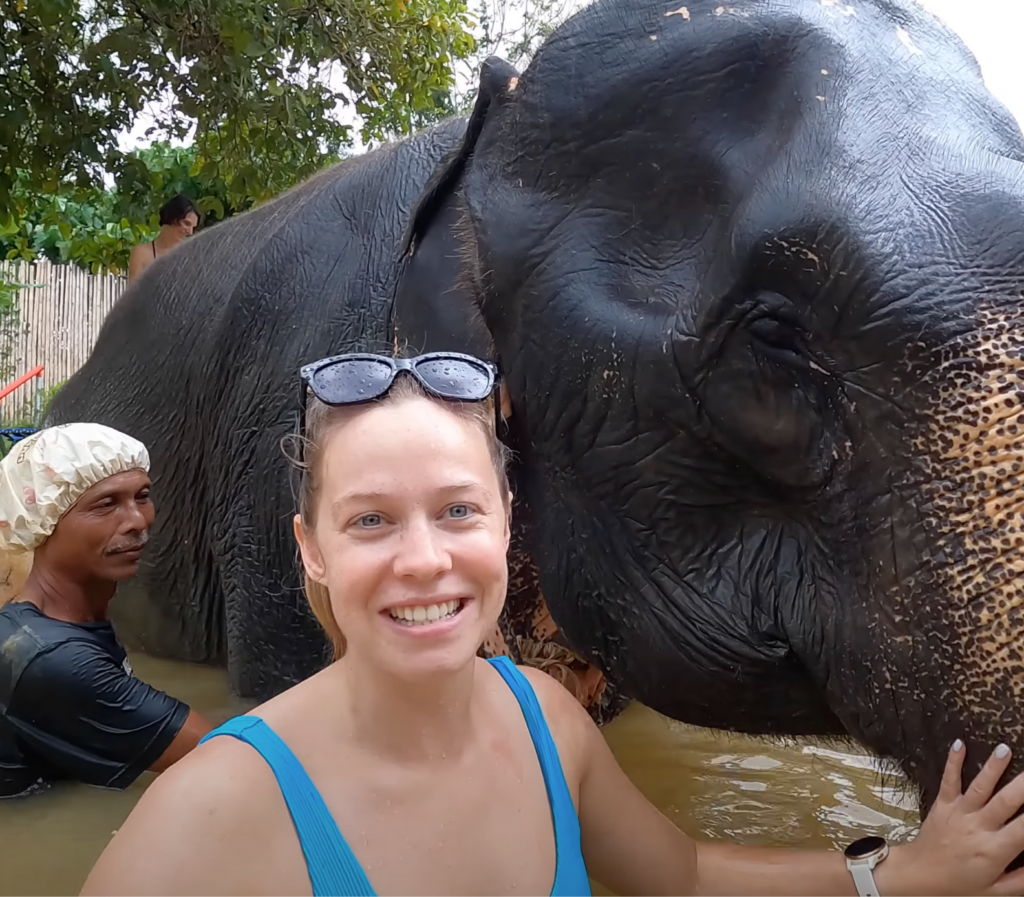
965	603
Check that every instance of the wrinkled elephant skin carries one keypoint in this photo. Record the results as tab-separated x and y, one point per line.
755	276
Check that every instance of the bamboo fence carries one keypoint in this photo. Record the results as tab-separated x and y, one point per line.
60	311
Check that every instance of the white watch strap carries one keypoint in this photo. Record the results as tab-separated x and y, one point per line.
863	879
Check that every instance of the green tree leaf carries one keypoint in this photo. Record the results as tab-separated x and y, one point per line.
76	74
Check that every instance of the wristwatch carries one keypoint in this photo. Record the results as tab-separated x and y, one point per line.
861	857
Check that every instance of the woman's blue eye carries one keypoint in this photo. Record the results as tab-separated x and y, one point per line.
459	511
370	520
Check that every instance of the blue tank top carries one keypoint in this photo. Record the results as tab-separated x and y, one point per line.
334	869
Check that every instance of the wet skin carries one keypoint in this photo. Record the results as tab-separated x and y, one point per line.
97	544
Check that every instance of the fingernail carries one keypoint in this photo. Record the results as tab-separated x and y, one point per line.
958	746
1002	751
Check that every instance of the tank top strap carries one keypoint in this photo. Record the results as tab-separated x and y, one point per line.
570	869
333	868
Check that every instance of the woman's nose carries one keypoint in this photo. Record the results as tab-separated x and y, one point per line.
422	553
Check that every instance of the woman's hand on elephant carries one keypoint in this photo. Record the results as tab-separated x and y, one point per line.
969	837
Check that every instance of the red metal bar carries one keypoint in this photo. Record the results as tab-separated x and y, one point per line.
21	381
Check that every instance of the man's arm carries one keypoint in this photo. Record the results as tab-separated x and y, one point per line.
189	735
79	710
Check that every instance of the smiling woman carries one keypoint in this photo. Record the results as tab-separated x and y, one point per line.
410	764
322	421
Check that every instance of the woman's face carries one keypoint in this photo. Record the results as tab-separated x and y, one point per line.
411	536
187	225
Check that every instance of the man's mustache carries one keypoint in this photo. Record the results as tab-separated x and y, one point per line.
136	544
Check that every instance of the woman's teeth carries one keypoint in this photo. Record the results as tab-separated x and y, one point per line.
426	613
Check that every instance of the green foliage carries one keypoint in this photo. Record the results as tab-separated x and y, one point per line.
511	29
96	229
515	29
30	413
153	175
48	395
257	86
260	84
62	229
9	320
8	294
259	67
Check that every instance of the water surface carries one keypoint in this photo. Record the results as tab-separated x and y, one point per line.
710	784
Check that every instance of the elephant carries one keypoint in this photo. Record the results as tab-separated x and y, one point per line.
753	275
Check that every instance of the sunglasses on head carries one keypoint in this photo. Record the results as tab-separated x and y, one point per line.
358	377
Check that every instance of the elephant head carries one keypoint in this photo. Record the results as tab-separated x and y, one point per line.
754	274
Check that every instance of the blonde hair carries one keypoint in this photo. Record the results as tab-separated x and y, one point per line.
321	421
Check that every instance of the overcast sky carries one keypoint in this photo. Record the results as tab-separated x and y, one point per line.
994	30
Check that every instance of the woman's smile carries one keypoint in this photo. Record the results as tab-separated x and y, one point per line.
433	619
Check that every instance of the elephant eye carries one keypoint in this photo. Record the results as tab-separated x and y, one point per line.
766	396
783	341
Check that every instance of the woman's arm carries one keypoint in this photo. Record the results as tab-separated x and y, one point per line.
631	848
964	847
137	260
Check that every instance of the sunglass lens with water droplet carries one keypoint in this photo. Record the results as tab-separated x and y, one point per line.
352	381
455	378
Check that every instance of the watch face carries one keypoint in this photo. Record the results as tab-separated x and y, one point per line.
864	847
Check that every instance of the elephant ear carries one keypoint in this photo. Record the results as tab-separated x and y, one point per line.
435	306
498	80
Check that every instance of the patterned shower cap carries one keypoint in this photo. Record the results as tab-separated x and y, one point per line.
45	474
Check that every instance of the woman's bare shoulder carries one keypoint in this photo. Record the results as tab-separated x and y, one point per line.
572	729
555	698
219	798
141	252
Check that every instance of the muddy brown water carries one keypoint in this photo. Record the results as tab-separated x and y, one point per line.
711	784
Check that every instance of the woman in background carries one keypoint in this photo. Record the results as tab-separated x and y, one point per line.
178	219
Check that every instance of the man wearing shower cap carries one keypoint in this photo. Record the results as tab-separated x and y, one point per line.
77	495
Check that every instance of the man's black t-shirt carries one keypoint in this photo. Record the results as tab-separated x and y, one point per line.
70	707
